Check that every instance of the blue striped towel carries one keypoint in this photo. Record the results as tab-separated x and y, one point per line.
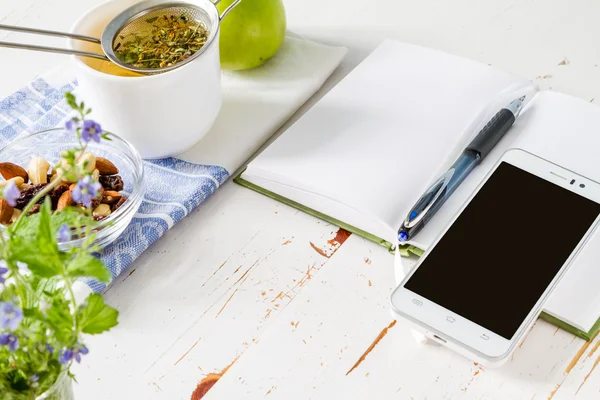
40	106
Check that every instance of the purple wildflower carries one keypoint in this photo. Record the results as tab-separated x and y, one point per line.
81	350
64	233
23	268
49	349
65	356
11	193
71	126
91	131
74	353
10	340
34	380
85	190
10	316
3	270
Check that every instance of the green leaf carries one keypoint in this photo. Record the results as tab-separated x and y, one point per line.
96	317
151	20
39	263
46	236
59	317
85	265
72	216
71	100
32	313
28	227
37	247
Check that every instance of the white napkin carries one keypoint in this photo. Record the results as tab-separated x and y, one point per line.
257	102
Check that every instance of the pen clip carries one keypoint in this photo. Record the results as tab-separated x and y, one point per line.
442	182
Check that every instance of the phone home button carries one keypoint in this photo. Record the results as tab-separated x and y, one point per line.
485	337
417	302
450	319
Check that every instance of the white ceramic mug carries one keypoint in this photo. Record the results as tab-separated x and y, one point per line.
163	114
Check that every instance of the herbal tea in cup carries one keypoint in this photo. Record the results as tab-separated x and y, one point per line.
161	114
164	41
160	41
103	66
109	68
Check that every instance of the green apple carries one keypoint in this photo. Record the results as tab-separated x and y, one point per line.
251	33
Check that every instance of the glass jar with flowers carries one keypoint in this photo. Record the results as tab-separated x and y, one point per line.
42	326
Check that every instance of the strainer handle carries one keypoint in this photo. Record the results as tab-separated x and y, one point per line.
48	33
52	50
231	7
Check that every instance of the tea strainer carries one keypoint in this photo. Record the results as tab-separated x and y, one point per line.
133	20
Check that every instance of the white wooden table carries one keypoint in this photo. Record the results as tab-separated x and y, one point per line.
266	297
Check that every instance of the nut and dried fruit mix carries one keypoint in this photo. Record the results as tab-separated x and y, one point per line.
38	175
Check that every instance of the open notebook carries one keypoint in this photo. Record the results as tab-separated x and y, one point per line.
362	156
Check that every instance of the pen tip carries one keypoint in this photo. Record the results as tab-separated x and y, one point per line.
516	106
402	237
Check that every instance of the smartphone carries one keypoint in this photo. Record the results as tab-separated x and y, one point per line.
483	282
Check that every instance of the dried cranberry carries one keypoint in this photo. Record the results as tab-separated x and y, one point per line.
34	210
96	203
98	199
56	193
112	182
119	204
28	194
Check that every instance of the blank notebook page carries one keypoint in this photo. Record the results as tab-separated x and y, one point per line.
375	141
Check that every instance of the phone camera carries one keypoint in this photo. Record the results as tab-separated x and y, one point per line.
572	181
581	185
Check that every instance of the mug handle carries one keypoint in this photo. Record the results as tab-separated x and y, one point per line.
231	7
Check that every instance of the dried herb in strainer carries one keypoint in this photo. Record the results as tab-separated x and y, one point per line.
172	39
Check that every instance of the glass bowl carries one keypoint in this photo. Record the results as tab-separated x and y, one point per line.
124	156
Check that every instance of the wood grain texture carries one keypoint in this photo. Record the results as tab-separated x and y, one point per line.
348	322
247	298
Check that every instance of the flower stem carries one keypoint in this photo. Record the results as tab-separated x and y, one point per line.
69	284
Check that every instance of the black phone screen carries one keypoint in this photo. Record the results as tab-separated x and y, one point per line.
502	252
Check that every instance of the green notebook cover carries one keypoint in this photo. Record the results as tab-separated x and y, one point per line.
404	251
